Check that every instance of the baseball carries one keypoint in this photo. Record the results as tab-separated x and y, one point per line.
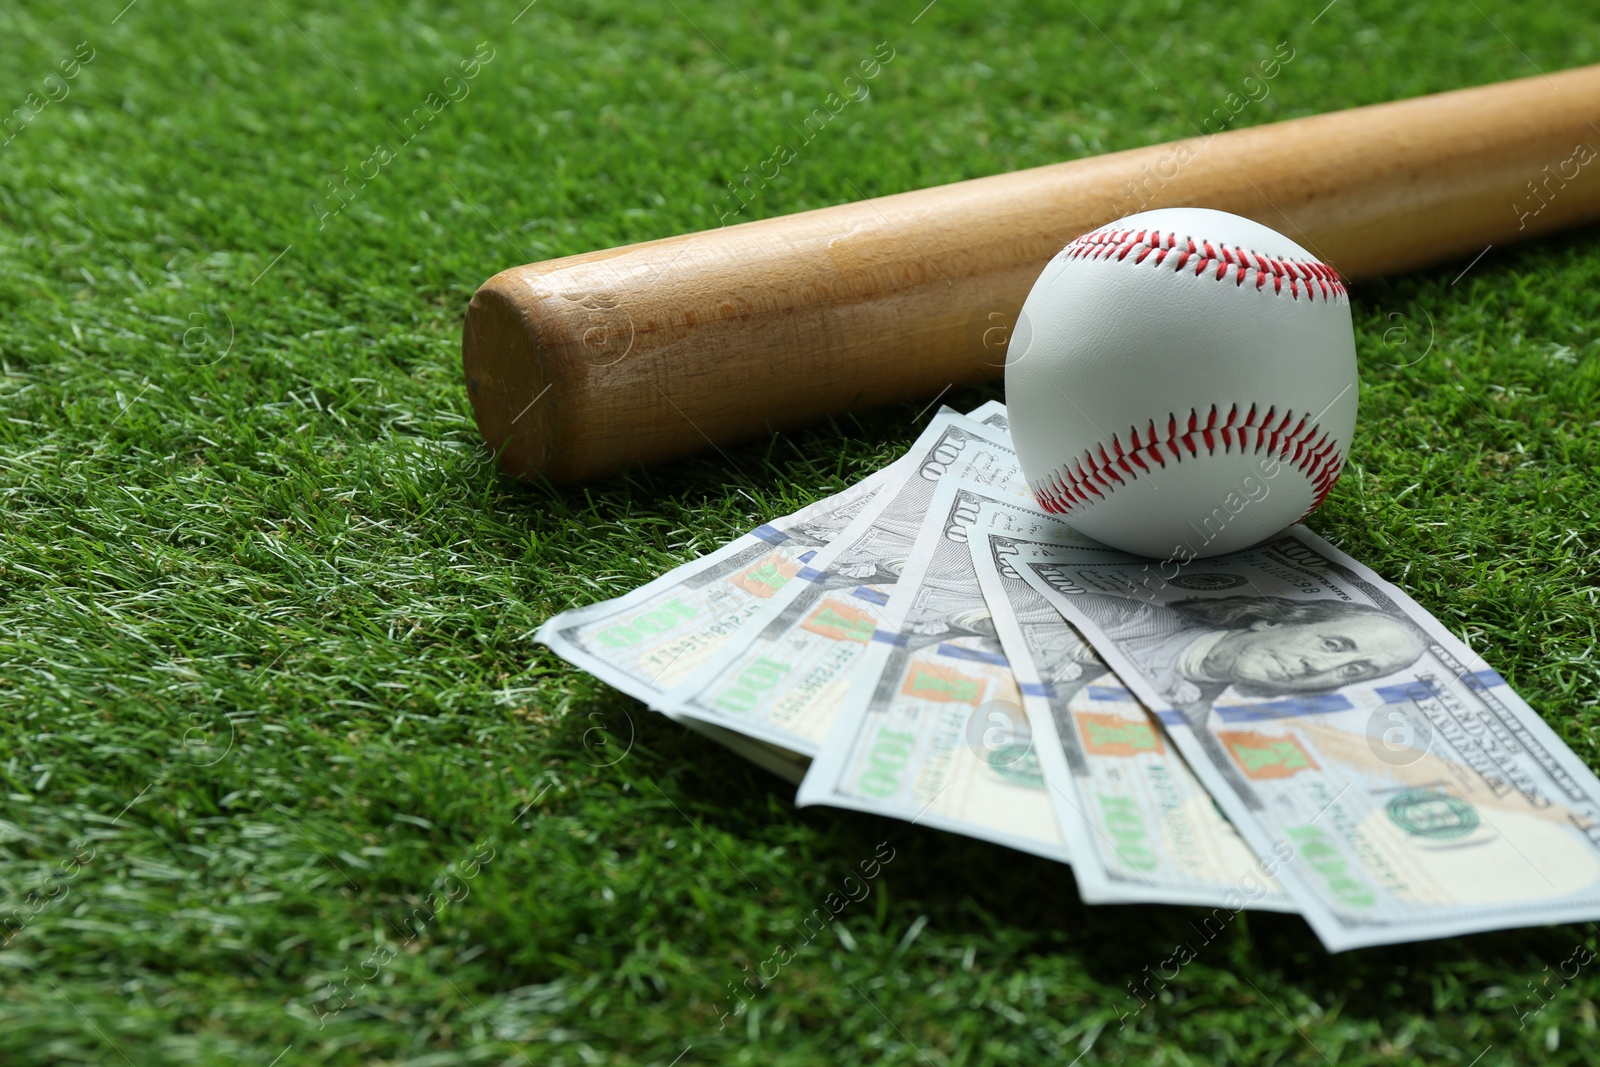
1182	383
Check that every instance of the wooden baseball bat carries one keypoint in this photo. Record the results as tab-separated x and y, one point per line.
581	366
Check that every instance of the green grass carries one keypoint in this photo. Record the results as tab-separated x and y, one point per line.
265	604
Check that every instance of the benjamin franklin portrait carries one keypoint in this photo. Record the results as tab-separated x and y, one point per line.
1196	649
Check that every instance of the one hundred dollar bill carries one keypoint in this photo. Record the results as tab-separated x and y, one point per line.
932	730
647	641
1138	823
785	683
1379	767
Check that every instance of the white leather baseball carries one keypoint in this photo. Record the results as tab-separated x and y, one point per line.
1182	382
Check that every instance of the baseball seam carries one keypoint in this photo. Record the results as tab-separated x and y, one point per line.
1094	476
1155	247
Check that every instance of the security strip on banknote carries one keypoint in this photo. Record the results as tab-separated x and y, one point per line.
1139	825
932	728
1377	766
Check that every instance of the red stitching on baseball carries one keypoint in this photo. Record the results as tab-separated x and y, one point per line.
1307	448
1222	260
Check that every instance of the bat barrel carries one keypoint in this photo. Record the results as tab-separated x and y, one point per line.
581	366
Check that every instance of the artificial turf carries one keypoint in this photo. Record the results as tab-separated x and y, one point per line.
285	780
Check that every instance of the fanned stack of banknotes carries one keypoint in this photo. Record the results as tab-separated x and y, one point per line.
1278	728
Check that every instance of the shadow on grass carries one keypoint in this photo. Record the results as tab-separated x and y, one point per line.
975	891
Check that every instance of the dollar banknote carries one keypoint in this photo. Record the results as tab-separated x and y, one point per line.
785	683
932	729
1376	765
647	641
1139	825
